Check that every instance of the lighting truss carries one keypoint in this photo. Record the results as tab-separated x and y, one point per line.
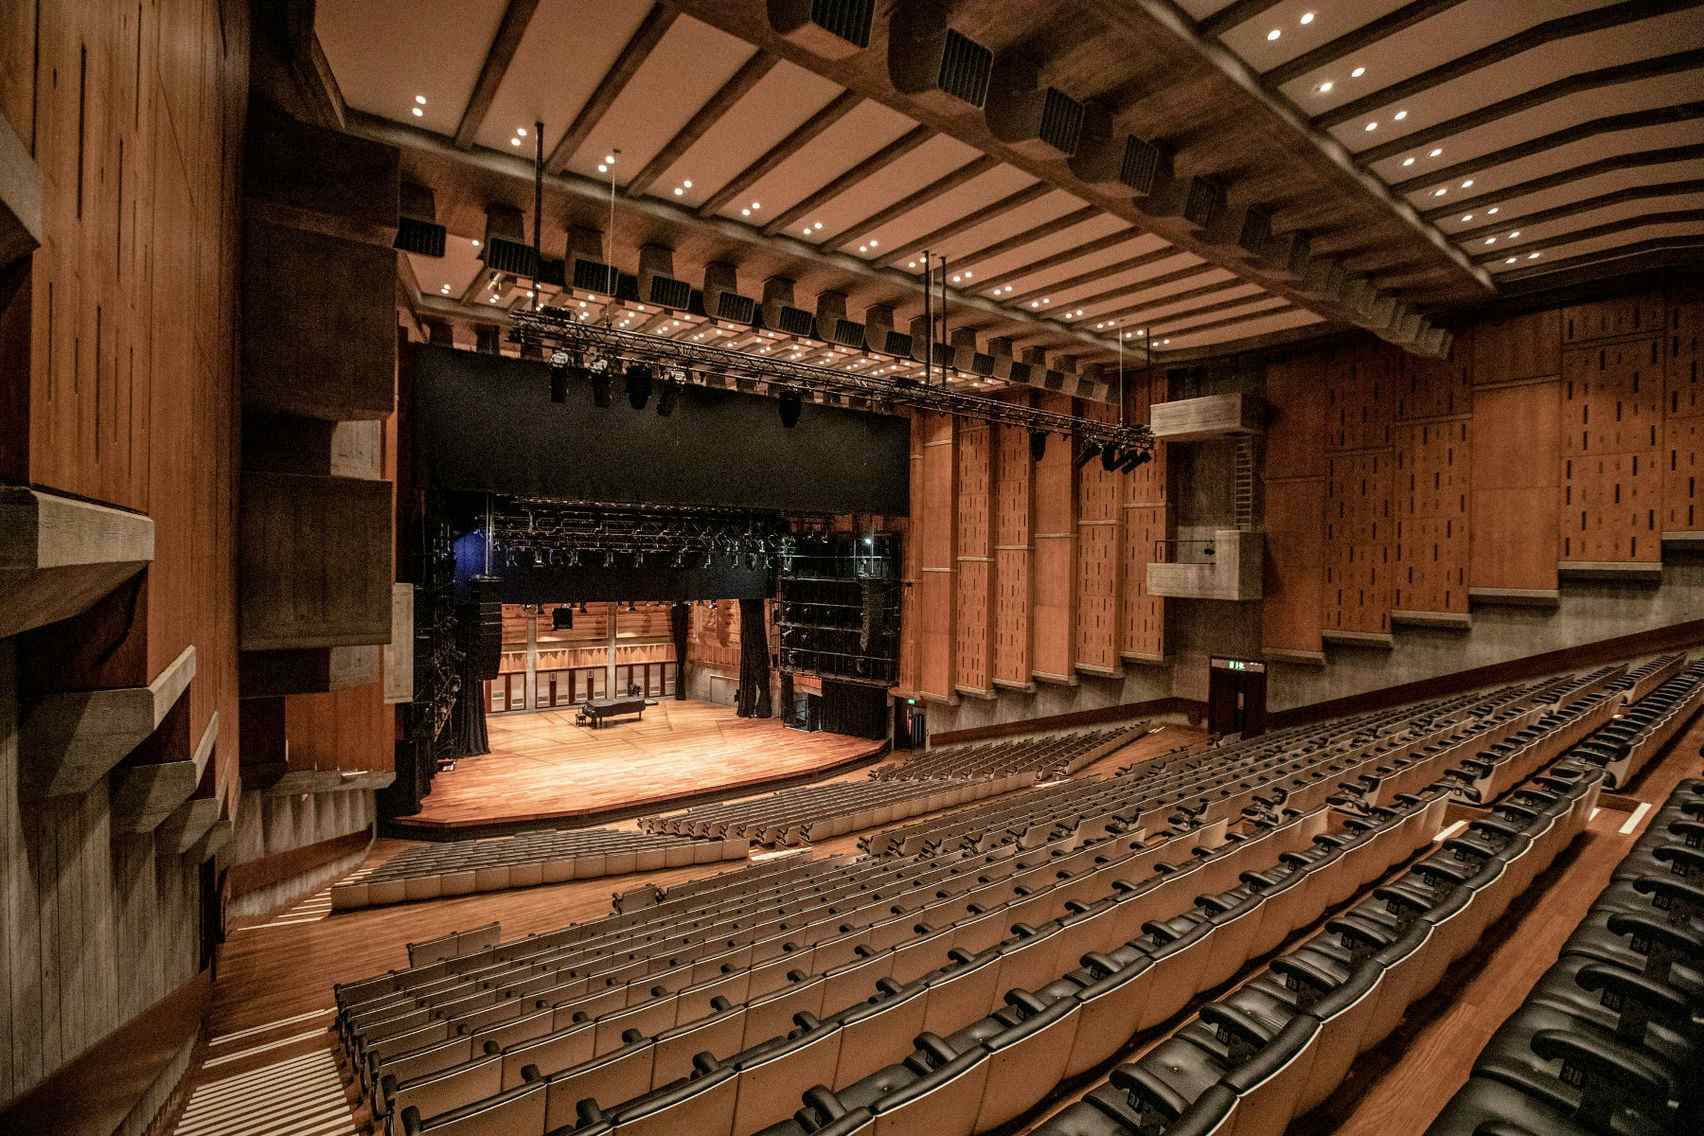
558	330
545	531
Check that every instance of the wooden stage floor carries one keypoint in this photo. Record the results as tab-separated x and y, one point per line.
542	767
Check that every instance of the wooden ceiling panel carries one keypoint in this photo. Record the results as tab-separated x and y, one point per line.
1241	329
433	48
1448	35
1077	236
538	87
979	193
865	130
1157	309
1330	20
450	274
1074	283
1565	196
936	158
1048	207
1605	245
1619	212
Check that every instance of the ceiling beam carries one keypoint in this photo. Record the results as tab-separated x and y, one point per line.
484	163
1285	337
510	29
1111	240
1607	229
645	38
1165	252
1506	48
707	116
1587	205
1180	323
1537	96
1230	321
1682	250
941	185
1610	124
858	174
1139	312
1359	39
1231	15
1615	164
1176	276
1034	233
972	219
801	136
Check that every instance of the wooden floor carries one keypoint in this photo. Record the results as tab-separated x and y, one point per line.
543	767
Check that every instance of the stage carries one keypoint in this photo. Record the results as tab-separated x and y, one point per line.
544	770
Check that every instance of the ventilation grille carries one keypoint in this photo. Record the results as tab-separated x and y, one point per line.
849	334
797	321
423	237
1142	165
965	68
1053	380
667	292
848	19
1203	202
504	255
593	276
734	308
982	364
897	343
1256	230
1061	121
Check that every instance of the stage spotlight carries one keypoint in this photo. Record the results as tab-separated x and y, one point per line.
790	405
601	384
558	381
1109	457
638	386
562	619
1086	454
666	399
1038	444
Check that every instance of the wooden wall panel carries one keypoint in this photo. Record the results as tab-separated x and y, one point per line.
344	729
713	636
1683	471
1436	388
1611	504
1612	398
974	661
1683	383
1360	382
1147	518
1612	445
937	564
1607	319
1013	552
1359	532
1513	484
1055	536
1293	611
1299	404
1523	347
910	631
1099	548
1432	494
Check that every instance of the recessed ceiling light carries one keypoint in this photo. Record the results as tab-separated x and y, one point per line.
514	141
445	288
609	159
967	275
420	99
1408	161
1534	255
417	112
1273	35
1468	184
1439	192
911	264
1357	73
679	191
1400	115
745	212
476	242
1370	127
955	278
1435	152
1163	342
1490	240
1324	88
602	169
1034	304
756	205
521	131
1467	216
876	244
1514	234
1046	301
866	248
1511	260
687	182
1307	18
1492	212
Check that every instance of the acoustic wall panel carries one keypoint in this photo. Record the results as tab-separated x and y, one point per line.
1683	469
1524	347
1435	388
1055	537
1684	384
1359	537
1299	404
1294	588
1147	519
1612	398
974	656
910	634
1610	508
1514	484
1013	550
1099	505
1360	381
1146	484
1607	319
938	569
1431	494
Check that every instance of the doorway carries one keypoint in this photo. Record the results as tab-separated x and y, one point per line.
1236	696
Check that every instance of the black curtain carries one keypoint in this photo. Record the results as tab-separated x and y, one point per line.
753	700
680	620
464	735
855	709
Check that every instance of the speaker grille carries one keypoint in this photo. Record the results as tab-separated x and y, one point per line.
982	364
898	343
1256	230
504	255
423	237
667	292
848	19
1020	372
1203	201
1141	167
593	276
735	308
848	334
1061	121
797	321
965	68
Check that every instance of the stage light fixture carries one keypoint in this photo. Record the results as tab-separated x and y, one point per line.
638	386
1086	454
666	399
1110	457
791	403
1038	444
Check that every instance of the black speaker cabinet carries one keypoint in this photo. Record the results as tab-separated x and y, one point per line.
482	627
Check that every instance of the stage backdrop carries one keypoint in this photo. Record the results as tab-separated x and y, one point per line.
485	422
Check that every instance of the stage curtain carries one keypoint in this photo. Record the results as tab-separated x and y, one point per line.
753	701
465	734
680	621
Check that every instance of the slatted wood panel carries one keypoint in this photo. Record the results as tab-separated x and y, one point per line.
344	729
1359	538
1612	444
1013	555
1612	398
1147	519
1435	388
1610	507
1360	383
974	662
937	564
1683	381
1055	538
1514	484
1100	546
1431	489
713	636
133	114
1683	473
1523	347
1606	319
910	631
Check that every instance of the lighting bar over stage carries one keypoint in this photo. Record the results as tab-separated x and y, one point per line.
565	337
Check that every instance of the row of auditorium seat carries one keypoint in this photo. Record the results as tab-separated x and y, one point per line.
1609	1039
1636	682
548	856
820	812
1047	757
1281	1043
1624	749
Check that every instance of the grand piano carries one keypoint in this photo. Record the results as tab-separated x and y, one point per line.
600	710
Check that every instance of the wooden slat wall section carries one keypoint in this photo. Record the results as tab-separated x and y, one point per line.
937	566
1612	441
133	114
1641	314
1358	536
1055	538
1683	405
1147	519
1294	587
910	631
974	652
1100	546
1013	556
344	729
1513	484
1432	499
1522	347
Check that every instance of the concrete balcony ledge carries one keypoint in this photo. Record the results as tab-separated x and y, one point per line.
1516	597
187	824
1382	640
1294	657
1448	620
68	742
1642	572
1207	417
144	796
1691	540
58	555
1234	572
20	197
1143	658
